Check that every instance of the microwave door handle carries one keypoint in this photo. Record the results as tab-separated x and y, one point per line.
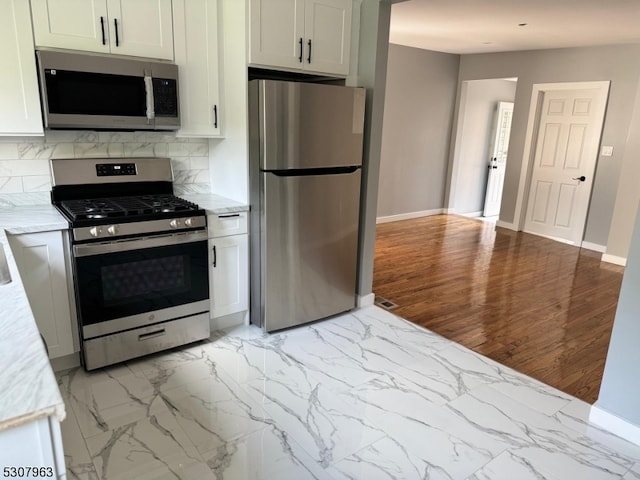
148	85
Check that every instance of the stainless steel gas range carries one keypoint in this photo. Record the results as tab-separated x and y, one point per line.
139	255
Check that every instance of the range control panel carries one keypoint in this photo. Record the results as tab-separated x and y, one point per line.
115	169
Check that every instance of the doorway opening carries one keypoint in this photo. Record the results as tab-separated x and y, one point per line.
481	146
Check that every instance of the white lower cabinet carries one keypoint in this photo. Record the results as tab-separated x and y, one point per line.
33	450
41	262
229	265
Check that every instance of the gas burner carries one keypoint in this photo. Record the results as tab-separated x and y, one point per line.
131	206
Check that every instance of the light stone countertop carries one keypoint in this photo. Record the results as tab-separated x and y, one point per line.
28	388
215	204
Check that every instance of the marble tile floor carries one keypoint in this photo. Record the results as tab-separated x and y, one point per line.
365	395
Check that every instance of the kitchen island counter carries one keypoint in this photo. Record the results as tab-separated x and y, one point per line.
28	388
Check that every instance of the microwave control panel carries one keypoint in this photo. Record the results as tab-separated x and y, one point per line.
165	97
115	169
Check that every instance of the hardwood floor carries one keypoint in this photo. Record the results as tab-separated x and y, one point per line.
541	307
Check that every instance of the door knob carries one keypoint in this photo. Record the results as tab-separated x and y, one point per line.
582	178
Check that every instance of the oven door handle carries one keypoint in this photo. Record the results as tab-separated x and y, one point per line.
139	243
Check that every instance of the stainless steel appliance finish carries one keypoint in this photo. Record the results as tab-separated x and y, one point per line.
139	257
97	91
116	230
84	171
307	125
305	161
110	349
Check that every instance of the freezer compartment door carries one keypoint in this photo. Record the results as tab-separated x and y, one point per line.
309	247
306	125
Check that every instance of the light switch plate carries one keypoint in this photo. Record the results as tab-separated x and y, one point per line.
606	151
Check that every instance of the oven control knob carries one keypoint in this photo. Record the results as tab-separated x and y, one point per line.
188	222
112	229
95	231
175	223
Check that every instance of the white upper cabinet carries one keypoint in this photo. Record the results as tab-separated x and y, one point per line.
195	28
19	97
327	25
310	35
140	28
277	33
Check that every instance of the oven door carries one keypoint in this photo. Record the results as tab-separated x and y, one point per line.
131	283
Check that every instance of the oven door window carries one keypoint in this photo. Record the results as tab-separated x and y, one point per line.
116	285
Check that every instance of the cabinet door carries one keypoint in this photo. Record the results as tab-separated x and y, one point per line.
20	112
142	28
36	443
74	24
229	282
196	54
327	26
277	28
40	258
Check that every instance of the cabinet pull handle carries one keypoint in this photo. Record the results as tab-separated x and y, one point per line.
229	216
215	116
215	257
115	24
309	57
104	38
301	48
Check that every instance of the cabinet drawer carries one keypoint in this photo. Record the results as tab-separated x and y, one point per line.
225	224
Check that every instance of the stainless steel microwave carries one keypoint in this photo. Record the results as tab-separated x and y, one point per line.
97	92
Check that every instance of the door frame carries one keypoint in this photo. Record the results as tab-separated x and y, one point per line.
531	137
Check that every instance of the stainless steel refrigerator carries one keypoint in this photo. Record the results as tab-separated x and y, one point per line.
305	148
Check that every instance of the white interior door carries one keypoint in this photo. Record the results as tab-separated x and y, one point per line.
498	159
564	162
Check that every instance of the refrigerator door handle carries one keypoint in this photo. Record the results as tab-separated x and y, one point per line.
301	172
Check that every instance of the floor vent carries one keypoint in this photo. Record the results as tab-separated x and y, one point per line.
384	303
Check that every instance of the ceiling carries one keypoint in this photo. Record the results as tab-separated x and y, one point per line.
483	26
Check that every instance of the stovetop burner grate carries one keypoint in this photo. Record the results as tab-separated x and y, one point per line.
98	208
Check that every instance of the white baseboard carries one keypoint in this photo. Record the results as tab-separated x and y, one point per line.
507	225
594	246
232	320
472	214
365	300
614	424
613	259
407	216
449	211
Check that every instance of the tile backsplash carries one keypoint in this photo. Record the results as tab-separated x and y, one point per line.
24	161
